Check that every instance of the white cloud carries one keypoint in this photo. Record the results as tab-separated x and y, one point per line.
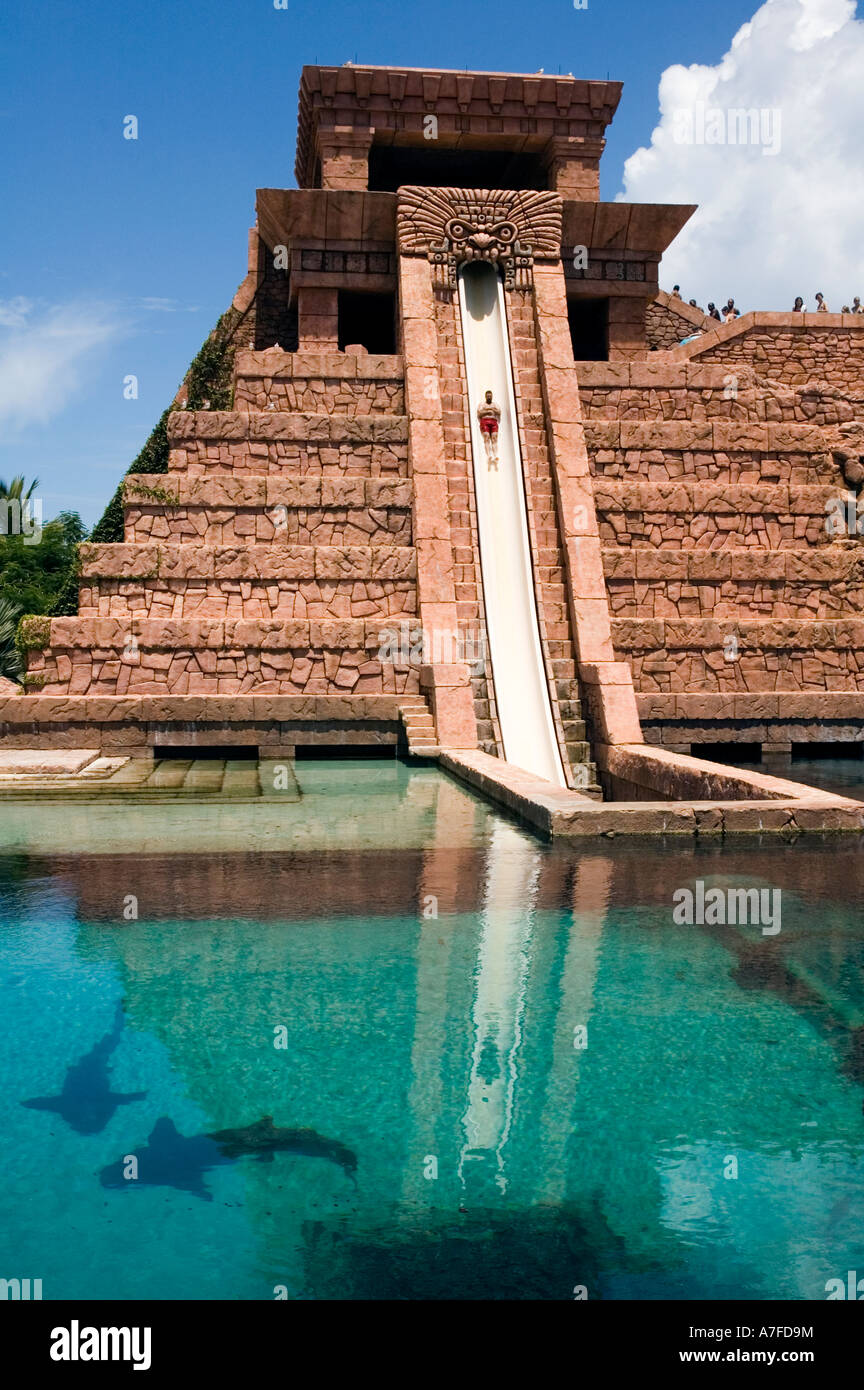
42	357
13	312
770	226
159	305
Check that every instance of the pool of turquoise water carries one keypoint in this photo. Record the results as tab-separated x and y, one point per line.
497	1068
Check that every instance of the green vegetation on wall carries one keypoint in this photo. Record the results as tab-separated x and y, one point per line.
11	663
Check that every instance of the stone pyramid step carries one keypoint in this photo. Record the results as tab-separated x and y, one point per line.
224	509
711	450
106	656
661	388
702	655
823	583
297	443
711	515
254	581
336	383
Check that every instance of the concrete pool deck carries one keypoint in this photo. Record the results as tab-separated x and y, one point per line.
721	801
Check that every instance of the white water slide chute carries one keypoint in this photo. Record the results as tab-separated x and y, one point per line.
521	690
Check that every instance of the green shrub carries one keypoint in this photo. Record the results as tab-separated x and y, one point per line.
11	664
32	577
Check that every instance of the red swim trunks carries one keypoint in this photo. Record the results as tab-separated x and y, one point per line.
488	425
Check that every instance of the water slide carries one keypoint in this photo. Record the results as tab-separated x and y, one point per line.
521	691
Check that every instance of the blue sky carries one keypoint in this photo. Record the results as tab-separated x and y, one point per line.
139	245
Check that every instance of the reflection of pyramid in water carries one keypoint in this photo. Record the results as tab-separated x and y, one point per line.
500	981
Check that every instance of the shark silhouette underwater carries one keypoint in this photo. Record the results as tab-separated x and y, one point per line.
170	1159
86	1101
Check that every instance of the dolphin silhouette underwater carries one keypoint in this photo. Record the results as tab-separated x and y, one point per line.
171	1159
86	1101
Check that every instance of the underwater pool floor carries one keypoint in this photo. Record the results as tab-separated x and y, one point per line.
380	1042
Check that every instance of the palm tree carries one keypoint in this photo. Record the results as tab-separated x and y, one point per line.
16	488
10	659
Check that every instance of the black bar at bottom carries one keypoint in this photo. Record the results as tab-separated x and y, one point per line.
625	1339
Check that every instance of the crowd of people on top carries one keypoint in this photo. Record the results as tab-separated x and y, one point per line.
729	312
724	315
856	307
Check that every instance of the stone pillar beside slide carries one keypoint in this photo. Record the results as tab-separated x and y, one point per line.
318	319
607	684
447	685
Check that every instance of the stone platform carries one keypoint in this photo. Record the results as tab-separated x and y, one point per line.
699	799
136	724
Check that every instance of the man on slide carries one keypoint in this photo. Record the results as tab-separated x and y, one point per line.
489	414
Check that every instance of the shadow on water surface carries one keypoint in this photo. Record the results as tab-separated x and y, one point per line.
86	1101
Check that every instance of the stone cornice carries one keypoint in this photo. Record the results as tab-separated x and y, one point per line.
469	106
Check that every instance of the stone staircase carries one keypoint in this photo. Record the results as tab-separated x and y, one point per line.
274	558
419	727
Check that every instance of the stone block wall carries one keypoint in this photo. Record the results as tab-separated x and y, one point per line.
734	584
661	388
328	458
335	384
678	655
325	395
207	441
792	348
709	451
716	467
255	597
107	656
669	319
245	510
684	515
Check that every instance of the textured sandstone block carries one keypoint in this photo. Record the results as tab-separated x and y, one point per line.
455	719
585	568
592	629
657	373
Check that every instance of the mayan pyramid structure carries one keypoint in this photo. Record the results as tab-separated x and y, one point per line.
308	570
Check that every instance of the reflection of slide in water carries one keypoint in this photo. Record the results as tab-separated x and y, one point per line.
521	692
513	866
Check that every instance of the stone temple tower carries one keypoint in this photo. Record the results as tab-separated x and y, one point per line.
315	566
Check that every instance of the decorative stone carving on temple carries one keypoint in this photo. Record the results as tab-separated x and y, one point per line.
454	225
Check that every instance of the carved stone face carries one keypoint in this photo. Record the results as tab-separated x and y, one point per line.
507	227
481	238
